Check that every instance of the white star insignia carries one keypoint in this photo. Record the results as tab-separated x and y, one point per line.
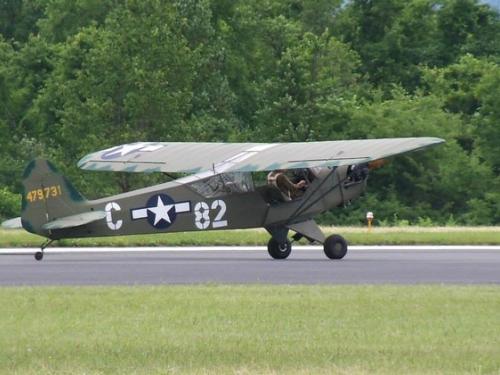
131	148
161	211
127	149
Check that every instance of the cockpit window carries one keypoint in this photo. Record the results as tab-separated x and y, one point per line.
225	183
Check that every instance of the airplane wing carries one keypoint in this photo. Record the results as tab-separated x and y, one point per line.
192	157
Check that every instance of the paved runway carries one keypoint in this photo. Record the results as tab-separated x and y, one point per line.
379	265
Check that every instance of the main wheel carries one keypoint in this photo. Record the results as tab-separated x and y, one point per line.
335	247
279	250
38	255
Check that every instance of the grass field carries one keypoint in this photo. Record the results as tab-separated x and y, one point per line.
250	329
355	236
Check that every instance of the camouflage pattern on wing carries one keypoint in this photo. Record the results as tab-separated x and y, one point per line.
190	157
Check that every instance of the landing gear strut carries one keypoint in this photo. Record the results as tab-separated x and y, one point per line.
335	247
39	254
279	250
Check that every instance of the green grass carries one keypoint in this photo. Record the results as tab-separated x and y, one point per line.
355	236
250	329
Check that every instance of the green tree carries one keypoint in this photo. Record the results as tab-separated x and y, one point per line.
435	183
64	18
10	204
76	76
18	19
22	74
143	75
470	88
307	96
395	37
467	26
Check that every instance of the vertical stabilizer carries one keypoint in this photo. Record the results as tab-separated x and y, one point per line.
47	196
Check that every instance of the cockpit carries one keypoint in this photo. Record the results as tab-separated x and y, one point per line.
243	182
291	185
275	186
224	183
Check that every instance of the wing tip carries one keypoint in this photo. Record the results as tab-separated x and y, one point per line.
437	140
433	141
426	142
83	162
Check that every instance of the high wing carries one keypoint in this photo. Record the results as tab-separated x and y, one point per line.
191	157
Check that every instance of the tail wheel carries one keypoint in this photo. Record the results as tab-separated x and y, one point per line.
335	247
279	250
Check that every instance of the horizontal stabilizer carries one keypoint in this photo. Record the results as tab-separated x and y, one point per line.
13	224
75	220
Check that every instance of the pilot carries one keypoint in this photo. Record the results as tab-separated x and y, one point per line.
291	190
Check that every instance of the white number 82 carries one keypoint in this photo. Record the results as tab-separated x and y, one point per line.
202	218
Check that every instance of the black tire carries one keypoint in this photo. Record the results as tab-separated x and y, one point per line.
335	247
38	255
279	250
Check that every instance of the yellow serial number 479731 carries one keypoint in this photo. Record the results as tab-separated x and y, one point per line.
44	193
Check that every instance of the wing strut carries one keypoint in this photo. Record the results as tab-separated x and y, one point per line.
305	202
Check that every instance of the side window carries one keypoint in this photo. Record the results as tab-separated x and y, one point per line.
224	183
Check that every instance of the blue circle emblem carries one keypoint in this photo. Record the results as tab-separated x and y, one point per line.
161	211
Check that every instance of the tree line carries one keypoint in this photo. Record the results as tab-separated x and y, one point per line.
78	76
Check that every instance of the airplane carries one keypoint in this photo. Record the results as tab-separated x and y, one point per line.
218	191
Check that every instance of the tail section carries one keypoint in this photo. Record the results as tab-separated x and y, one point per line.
47	196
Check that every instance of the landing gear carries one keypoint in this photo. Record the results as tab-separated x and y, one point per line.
335	247
279	250
39	254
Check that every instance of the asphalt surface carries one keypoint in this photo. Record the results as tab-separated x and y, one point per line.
179	266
